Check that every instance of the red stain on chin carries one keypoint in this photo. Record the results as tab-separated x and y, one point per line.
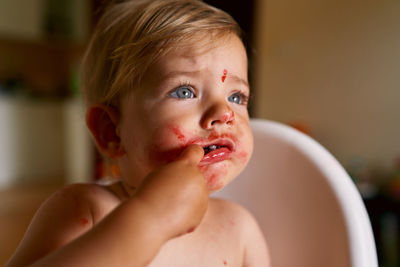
225	262
224	75
214	178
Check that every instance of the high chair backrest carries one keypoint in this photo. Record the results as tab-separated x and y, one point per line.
306	204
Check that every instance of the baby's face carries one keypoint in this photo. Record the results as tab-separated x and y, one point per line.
187	98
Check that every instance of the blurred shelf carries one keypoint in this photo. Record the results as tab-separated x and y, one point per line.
43	66
56	44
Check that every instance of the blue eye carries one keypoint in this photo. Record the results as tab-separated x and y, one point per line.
237	98
182	92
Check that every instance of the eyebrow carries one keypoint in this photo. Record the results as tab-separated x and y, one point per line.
192	73
239	80
181	73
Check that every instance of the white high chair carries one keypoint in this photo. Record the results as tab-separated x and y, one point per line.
306	204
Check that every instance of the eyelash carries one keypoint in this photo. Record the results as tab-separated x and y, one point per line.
243	96
186	84
183	85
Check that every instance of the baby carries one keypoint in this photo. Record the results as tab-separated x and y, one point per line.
166	87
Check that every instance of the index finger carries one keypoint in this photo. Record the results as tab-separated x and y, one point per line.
193	153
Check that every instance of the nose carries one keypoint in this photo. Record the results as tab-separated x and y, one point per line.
218	114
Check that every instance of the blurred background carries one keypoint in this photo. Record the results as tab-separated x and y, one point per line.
329	68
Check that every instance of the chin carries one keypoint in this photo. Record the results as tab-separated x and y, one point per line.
218	176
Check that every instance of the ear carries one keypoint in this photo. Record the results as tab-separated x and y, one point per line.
102	122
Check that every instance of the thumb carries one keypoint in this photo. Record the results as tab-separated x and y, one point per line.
193	154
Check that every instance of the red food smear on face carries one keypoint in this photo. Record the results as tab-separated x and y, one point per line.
214	178
158	151
225	262
228	117
160	154
178	133
243	156
179	139
224	75
215	135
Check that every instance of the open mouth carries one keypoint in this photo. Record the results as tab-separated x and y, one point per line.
226	144
218	150
210	148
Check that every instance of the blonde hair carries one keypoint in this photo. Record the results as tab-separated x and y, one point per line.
133	34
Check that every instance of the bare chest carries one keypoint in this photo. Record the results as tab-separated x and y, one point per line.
216	242
201	250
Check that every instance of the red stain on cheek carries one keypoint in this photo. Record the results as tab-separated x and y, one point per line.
224	75
243	156
225	263
173	137
177	132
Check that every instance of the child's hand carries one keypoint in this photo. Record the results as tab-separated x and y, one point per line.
175	194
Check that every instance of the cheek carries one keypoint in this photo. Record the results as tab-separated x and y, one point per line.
169	142
245	147
243	156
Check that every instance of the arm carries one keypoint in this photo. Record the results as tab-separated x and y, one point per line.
172	200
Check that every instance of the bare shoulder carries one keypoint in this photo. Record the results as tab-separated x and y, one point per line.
255	248
65	215
87	203
99	200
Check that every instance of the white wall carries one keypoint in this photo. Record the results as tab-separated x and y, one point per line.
335	66
31	141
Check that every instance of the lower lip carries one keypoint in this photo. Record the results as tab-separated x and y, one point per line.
214	156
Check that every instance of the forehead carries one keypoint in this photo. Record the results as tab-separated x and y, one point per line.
222	52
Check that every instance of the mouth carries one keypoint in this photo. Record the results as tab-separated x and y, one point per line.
208	149
218	150
227	144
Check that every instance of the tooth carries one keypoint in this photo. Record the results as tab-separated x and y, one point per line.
213	147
